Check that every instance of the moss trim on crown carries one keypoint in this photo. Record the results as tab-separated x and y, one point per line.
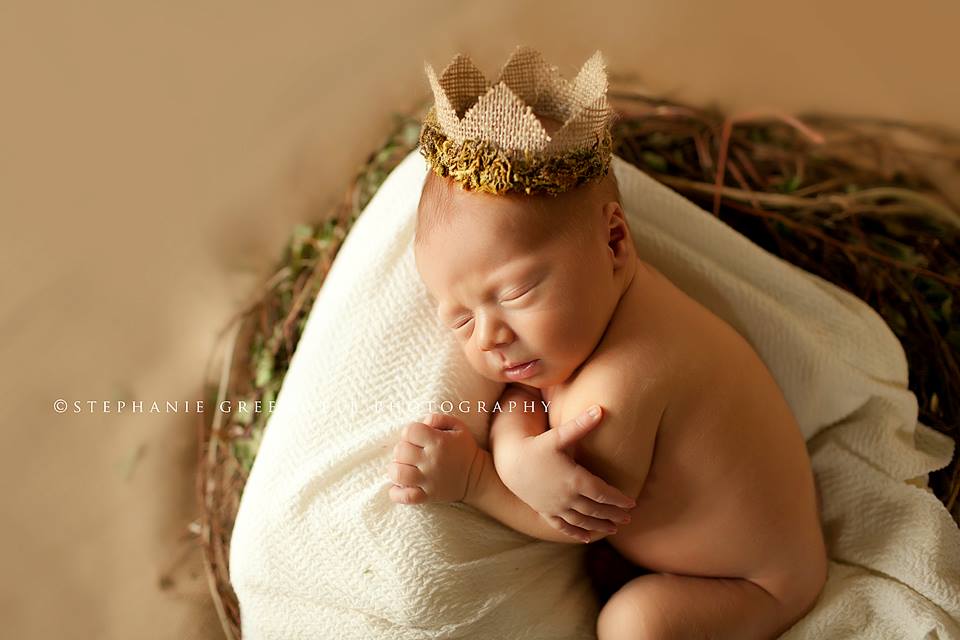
479	165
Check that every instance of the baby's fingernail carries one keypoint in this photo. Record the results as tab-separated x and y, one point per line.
593	411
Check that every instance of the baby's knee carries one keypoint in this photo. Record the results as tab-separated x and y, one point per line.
627	615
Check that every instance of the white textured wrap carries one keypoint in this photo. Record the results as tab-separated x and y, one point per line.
320	551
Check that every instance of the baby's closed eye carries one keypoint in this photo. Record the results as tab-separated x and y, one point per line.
513	297
519	293
461	322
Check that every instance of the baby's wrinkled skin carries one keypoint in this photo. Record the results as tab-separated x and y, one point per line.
694	428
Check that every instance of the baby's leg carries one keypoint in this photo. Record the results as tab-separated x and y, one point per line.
665	606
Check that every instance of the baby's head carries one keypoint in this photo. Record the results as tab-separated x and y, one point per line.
521	278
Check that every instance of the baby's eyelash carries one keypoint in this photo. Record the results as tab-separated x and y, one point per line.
459	324
517	296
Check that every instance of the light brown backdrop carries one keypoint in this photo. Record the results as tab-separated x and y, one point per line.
153	157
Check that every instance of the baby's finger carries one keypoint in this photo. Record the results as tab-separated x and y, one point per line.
416	433
589	507
592	487
407	453
405	474
444	422
572	430
577	519
407	495
564	527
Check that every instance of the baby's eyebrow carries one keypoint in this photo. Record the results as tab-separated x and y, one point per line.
442	309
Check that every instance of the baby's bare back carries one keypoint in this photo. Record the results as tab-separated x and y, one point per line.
728	490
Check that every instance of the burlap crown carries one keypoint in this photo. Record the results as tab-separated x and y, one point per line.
488	138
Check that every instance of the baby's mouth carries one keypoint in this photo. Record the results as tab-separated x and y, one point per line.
522	370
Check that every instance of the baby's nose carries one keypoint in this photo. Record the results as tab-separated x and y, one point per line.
494	335
496	342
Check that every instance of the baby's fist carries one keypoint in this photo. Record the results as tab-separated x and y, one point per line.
433	461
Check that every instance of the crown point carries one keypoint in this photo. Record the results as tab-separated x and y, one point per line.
513	116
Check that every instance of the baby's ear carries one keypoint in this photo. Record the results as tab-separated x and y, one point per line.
619	242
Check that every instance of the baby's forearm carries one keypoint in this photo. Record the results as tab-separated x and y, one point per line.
508	431
509	427
491	496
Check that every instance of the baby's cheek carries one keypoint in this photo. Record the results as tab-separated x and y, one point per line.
567	337
554	326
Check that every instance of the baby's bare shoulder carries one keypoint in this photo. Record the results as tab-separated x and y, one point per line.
626	381
634	357
633	400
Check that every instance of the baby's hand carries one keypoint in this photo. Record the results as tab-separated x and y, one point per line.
540	471
433	461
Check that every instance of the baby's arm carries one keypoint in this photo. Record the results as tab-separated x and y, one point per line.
489	495
537	465
438	460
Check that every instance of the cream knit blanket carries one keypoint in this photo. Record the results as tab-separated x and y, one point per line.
320	551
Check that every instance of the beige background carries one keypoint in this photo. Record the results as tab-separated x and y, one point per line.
153	157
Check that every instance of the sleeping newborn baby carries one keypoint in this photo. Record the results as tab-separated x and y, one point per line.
665	432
